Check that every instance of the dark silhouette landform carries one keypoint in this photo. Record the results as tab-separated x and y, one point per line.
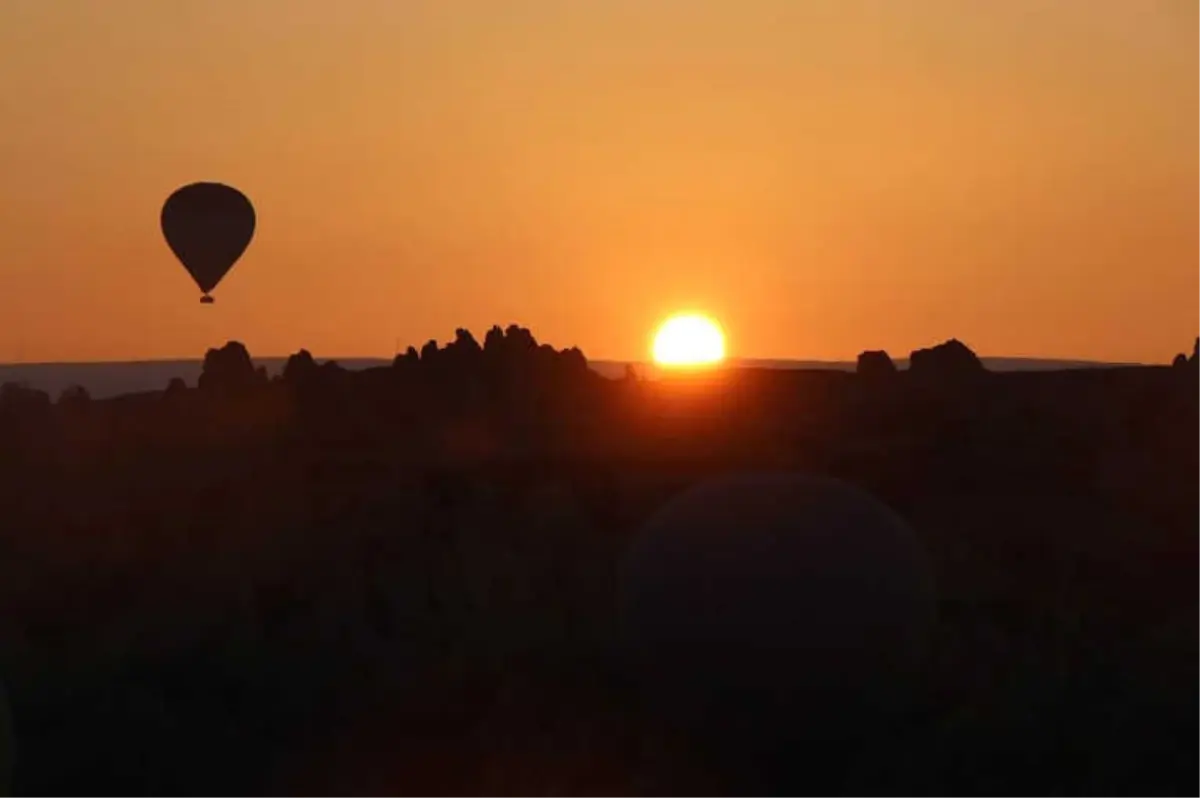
105	380
464	572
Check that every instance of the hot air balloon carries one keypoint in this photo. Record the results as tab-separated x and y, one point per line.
208	226
776	609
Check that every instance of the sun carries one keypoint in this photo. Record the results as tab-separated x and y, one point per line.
688	339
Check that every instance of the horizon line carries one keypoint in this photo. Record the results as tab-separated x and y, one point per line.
637	362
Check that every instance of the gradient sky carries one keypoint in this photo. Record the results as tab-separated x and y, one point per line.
823	177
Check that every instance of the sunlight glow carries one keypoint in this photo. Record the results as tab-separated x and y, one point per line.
688	340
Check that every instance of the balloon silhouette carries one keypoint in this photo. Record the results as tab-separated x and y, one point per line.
776	606
208	226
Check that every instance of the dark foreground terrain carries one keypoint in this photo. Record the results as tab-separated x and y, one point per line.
401	580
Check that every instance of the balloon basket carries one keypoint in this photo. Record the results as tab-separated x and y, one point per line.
206	300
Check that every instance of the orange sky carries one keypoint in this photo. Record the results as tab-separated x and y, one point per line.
822	177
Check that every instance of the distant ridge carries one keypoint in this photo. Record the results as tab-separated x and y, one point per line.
103	380
616	368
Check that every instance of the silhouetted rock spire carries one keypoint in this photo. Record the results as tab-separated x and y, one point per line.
175	388
947	360
230	369
465	342
574	359
493	342
300	368
1182	361
874	364
429	351
409	360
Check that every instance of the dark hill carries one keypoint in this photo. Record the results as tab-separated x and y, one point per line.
105	379
398	578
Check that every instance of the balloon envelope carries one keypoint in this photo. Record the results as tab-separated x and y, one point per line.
208	226
789	600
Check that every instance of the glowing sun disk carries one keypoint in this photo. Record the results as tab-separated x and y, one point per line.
688	340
